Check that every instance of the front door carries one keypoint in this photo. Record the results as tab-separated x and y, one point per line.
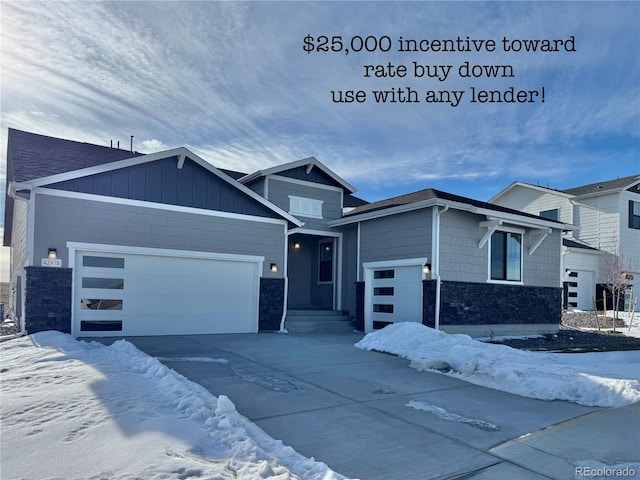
311	272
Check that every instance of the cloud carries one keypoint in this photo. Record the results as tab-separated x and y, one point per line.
231	81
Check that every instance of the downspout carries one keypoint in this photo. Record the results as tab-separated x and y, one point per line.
436	260
286	279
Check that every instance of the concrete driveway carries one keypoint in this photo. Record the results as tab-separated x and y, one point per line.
348	408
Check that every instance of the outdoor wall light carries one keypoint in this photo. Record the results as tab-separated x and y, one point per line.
426	269
567	272
274	267
53	253
296	246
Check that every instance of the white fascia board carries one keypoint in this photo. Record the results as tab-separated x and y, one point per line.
531	187
152	157
308	162
319	233
157	206
106	167
162	252
404	262
512	218
385	212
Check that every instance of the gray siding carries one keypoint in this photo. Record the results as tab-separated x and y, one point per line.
162	182
542	269
405	235
59	220
349	268
279	191
460	258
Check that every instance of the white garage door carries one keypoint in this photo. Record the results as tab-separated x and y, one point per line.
394	293
172	293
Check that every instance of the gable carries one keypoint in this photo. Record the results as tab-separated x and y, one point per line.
316	175
161	181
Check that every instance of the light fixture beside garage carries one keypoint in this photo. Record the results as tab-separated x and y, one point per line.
426	268
274	267
53	254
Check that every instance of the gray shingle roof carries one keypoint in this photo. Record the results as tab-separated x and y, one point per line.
618	183
432	194
32	155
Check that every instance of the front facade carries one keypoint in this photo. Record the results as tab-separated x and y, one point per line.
108	242
606	216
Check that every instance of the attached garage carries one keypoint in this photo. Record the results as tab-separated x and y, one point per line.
128	291
393	292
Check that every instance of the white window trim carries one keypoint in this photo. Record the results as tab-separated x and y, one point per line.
506	282
305	207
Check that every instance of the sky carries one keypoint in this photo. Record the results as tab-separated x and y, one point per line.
232	81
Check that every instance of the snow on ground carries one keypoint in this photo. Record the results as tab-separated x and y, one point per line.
78	410
604	379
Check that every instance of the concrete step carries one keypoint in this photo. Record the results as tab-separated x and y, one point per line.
318	321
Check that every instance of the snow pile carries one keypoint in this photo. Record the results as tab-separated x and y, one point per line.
79	410
593	379
451	417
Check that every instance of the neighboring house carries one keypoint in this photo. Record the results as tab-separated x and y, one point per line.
606	216
166	243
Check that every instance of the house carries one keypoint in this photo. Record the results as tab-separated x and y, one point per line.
108	242
606	216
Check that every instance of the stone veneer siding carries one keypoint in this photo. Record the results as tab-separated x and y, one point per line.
359	317
464	303
271	303
48	299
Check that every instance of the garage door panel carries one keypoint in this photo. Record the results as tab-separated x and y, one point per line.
395	294
165	295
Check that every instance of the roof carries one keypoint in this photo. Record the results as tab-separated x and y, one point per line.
39	160
591	189
309	162
571	243
599	187
30	155
432	194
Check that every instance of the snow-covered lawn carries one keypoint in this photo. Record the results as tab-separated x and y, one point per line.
77	410
605	379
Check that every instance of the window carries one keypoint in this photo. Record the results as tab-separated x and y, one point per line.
506	256
325	263
377	274
100	304
305	207
550	214
634	214
102	262
107	283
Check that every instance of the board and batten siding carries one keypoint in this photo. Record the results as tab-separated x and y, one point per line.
162	181
279	191
60	219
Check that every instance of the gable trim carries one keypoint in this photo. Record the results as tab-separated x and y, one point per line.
511	218
157	206
176	152
531	187
309	162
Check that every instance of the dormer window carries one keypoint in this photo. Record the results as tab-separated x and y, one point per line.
305	207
